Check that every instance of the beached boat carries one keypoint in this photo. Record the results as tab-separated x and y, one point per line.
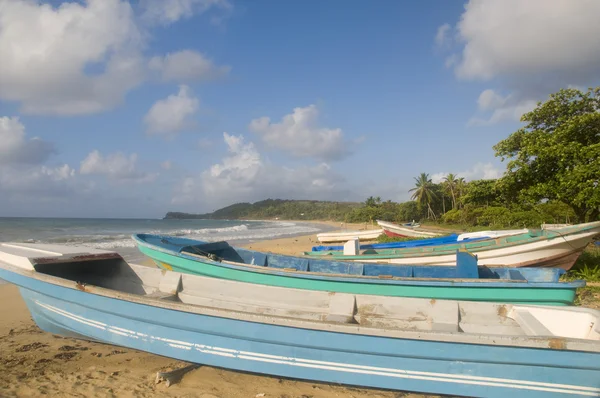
442	240
391	229
465	281
443	347
342	236
558	247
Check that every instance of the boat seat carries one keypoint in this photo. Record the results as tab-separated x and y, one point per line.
415	314
305	304
466	265
529	323
478	317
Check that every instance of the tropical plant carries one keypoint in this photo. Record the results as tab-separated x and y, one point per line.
450	182
423	192
557	154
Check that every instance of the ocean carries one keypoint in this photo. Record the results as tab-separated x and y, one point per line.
115	234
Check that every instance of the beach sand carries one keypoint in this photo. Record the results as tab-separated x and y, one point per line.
35	363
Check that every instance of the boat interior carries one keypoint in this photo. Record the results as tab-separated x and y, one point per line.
192	293
466	267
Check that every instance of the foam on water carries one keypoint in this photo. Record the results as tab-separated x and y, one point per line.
116	234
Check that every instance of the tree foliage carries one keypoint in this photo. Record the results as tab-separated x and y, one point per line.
557	154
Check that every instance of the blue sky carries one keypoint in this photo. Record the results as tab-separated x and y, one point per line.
118	109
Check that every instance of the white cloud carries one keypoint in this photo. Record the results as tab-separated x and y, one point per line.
169	11
299	134
530	37
509	107
529	48
484	171
243	175
172	114
70	59
186	65
441	37
59	173
116	166
42	182
15	148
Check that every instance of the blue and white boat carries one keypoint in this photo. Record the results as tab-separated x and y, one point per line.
444	347
442	240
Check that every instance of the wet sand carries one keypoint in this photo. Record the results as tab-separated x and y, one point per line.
35	363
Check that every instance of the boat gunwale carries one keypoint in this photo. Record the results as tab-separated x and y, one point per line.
438	282
527	342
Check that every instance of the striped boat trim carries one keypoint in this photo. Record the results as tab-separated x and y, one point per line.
336	366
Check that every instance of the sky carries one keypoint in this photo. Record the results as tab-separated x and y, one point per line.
110	108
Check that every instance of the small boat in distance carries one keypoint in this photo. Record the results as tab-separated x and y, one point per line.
407	230
438	347
342	236
465	281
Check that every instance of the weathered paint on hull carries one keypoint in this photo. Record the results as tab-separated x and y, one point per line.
545	296
392	234
333	357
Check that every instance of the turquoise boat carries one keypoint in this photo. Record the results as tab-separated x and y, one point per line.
464	281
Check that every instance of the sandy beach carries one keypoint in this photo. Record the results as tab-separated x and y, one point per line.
35	363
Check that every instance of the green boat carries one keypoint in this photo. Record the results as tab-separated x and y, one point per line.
463	281
559	247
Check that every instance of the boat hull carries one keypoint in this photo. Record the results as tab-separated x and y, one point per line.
327	356
543	294
394	230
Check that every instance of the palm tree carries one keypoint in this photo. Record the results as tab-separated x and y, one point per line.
423	192
450	184
460	187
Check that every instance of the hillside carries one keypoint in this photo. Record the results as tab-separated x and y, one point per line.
276	208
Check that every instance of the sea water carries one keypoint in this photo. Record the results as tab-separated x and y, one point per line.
115	234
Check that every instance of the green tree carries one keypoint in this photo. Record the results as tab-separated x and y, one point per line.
423	192
557	154
481	193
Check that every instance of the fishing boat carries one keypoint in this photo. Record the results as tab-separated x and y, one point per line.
465	281
429	346
442	240
393	230
342	236
558	247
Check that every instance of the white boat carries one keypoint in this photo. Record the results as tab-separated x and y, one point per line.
391	229
343	236
431	346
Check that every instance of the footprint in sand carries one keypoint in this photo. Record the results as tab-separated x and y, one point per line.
65	356
29	347
72	348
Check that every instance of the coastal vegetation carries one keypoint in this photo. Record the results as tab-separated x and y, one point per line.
552	176
277	209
